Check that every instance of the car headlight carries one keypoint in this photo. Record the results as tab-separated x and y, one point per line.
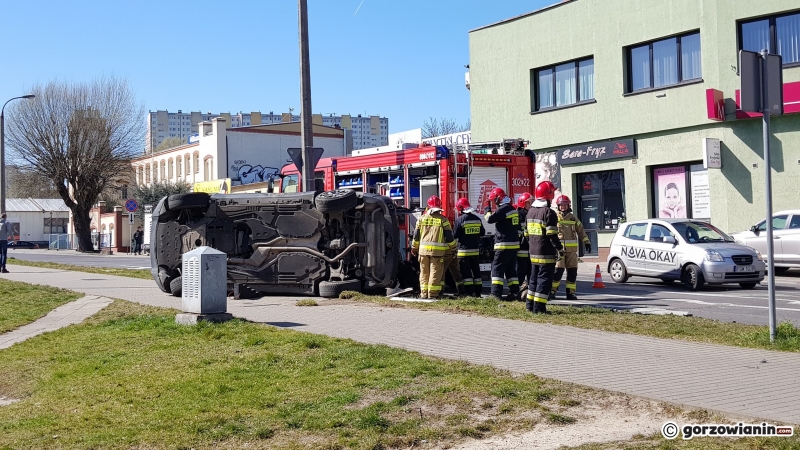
759	256
713	255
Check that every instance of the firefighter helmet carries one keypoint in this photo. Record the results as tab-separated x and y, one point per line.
523	198
434	201
545	190
462	204
497	195
563	200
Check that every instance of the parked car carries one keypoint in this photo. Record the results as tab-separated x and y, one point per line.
692	251
299	243
28	244
785	239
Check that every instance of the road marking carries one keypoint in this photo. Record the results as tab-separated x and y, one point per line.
700	302
136	267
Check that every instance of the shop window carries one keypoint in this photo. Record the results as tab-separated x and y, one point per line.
564	84
600	202
681	192
780	34
664	62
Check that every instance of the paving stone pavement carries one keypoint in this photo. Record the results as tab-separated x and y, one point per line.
753	383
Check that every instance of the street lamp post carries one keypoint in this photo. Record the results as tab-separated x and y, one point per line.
3	152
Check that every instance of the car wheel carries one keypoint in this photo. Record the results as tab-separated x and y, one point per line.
618	271
176	286
693	277
748	285
191	200
668	280
336	201
332	289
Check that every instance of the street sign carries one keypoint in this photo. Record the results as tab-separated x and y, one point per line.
751	70
131	205
297	156
131	217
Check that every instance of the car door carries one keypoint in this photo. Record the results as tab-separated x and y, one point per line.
633	248
758	238
662	260
790	241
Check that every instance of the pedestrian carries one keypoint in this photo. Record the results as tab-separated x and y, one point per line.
570	230
506	244
468	233
5	235
542	227
523	255
432	238
138	240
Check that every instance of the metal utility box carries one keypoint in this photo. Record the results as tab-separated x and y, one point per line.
204	281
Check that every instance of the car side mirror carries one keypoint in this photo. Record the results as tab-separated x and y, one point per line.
669	240
270	184
754	229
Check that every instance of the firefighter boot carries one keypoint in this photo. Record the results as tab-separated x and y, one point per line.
540	308
571	295
529	305
478	289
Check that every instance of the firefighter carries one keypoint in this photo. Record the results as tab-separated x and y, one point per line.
523	256
450	258
506	244
433	237
545	247
570	230
468	233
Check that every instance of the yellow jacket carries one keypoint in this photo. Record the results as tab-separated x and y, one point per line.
433	236
570	229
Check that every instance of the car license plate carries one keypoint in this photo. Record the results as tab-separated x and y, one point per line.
486	267
744	269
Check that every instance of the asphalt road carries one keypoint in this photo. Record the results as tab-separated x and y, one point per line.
730	303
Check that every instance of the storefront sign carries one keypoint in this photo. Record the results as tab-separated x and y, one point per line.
712	156
701	194
214	187
599	151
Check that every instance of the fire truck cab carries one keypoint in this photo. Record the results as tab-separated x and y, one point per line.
410	176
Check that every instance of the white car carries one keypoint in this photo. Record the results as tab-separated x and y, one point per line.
692	251
785	239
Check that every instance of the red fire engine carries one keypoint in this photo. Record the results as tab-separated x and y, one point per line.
412	175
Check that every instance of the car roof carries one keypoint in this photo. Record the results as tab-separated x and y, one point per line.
665	220
788	211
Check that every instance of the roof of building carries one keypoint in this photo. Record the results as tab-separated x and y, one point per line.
35	205
511	19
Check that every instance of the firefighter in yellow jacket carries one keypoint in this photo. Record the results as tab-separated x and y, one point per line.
570	231
433	239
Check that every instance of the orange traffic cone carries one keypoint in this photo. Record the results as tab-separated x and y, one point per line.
598	279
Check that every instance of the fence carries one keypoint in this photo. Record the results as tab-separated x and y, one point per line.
70	241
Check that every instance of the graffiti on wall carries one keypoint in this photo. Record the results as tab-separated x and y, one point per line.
246	173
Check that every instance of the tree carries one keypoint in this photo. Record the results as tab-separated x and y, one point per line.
28	184
150	195
170	142
440	127
81	137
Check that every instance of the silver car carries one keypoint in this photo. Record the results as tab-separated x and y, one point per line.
692	251
785	239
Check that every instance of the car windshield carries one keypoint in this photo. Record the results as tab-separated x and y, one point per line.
700	232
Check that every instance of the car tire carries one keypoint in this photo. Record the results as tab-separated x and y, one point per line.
668	280
178	202
781	270
336	201
176	286
618	271
750	285
693	277
332	289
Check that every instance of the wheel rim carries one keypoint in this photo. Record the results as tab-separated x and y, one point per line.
692	275
616	270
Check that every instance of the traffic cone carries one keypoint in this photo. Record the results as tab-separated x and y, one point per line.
598	279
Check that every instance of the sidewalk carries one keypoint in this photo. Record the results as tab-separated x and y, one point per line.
752	383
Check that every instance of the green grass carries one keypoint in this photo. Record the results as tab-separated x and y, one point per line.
133	273
22	303
129	377
694	329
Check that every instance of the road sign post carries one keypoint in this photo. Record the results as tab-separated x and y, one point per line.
131	206
762	91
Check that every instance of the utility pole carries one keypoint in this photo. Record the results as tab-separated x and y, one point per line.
306	129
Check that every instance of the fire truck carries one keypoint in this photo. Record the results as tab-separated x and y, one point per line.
410	176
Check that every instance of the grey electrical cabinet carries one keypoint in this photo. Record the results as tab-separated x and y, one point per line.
204	281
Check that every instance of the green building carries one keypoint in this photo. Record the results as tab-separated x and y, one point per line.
631	106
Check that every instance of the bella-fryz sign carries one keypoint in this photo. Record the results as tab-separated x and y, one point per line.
598	151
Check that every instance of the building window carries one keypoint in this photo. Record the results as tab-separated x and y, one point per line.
564	84
664	62
681	191
779	34
600	201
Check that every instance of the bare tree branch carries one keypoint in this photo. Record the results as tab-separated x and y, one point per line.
81	137
439	127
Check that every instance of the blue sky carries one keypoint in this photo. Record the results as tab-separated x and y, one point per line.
401	59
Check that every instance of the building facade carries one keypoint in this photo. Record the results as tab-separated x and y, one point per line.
367	131
632	106
37	219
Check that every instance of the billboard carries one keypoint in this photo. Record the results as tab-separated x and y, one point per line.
214	186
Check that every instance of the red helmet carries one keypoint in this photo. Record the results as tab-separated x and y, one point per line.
523	198
563	200
434	202
462	204
497	194
545	190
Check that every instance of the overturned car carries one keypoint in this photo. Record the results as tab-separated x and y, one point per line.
300	243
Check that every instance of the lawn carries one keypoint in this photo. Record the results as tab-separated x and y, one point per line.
22	303
133	273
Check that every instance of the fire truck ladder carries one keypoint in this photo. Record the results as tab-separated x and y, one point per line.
463	169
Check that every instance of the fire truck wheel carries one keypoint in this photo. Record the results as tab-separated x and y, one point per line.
335	201
332	289
190	200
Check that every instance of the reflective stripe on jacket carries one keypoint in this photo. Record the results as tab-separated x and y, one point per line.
433	236
506	220
542	228
468	232
570	230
